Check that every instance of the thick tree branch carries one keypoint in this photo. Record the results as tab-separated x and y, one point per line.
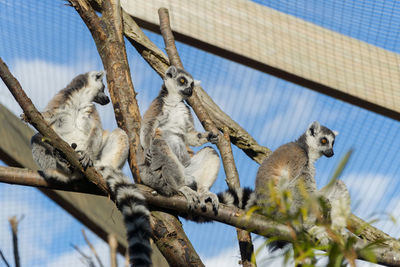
224	145
107	33
159	62
36	119
239	137
387	253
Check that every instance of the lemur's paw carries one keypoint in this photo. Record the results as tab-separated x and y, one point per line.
209	197
320	233
213	137
84	159
193	200
148	157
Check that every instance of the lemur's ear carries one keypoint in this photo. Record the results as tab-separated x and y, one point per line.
336	133
314	128
171	72
99	75
197	83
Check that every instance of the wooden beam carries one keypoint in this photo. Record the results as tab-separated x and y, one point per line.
97	213
284	46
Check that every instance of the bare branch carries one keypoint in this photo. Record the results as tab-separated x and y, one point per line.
232	179
159	62
92	249
37	121
4	259
112	243
387	253
107	32
87	260
169	39
224	145
14	230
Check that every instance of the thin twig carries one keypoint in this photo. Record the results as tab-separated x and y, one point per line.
112	243
87	259
4	259
14	230
92	249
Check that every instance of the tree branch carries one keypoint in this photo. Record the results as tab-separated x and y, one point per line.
92	248
232	179
224	145
14	230
386	253
159	62
107	33
239	137
112	243
4	259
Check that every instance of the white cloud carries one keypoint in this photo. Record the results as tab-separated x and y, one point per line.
367	191
231	256
385	223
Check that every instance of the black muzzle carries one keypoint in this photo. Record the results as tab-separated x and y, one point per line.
328	153
188	92
101	98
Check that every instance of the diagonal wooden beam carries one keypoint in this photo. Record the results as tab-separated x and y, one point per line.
284	46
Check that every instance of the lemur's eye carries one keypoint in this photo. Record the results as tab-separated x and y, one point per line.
182	81
324	141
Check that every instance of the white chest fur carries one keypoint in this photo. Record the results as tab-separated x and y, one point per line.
175	118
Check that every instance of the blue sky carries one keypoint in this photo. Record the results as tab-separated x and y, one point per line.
46	44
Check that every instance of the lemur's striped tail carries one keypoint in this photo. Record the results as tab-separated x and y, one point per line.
133	206
245	198
242	198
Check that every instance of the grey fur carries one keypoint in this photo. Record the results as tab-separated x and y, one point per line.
289	166
73	116
166	133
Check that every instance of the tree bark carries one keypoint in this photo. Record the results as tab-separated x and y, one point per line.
107	33
238	136
224	145
159	62
387	253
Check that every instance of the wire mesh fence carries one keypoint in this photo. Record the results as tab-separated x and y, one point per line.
46	44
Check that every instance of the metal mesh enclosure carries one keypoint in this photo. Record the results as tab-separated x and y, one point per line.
347	52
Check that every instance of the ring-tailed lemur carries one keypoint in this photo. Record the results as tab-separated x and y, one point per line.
291	168
73	116
167	131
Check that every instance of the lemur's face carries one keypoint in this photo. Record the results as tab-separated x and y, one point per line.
96	84
321	139
179	82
